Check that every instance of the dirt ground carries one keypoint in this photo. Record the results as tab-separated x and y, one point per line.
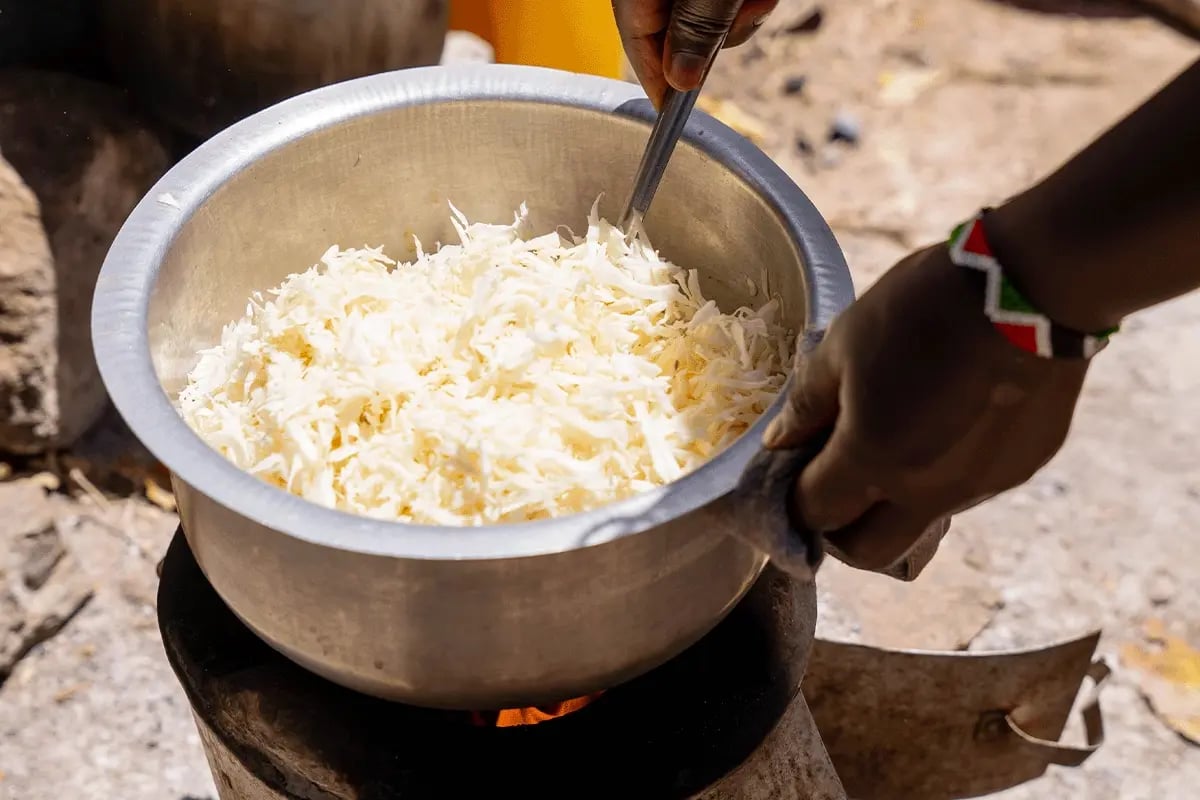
953	105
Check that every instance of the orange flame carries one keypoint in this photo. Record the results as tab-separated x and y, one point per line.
515	717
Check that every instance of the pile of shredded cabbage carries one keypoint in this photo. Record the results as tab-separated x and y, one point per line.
498	380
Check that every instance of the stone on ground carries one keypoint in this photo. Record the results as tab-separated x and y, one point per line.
74	160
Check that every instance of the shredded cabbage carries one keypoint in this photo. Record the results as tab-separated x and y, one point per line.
498	380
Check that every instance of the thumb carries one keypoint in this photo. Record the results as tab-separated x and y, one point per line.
697	30
812	403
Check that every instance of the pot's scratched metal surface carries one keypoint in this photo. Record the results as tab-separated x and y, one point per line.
428	614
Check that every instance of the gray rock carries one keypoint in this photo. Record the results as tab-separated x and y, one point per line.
1161	588
73	163
793	16
845	127
38	553
795	85
41	585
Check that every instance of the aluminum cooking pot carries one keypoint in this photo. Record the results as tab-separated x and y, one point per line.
489	617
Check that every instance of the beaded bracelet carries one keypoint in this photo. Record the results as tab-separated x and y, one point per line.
1011	314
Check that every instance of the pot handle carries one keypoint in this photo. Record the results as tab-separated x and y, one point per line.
757	511
996	725
764	495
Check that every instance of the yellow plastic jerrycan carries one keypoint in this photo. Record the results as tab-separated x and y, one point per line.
572	35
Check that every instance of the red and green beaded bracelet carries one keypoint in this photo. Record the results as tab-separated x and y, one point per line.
1011	313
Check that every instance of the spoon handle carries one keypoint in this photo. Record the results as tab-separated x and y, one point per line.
676	108
668	127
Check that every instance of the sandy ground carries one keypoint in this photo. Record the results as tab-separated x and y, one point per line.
956	105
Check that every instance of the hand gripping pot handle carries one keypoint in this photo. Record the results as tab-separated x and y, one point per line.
757	510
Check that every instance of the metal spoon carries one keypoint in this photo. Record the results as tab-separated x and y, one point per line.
676	109
668	127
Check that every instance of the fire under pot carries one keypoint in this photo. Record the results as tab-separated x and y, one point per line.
723	720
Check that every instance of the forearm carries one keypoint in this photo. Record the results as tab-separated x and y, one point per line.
1117	228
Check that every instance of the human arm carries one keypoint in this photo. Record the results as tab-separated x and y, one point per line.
932	411
1117	228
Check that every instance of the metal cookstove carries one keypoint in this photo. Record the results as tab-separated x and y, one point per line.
724	720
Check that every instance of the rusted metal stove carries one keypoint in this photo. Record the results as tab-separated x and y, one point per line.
724	720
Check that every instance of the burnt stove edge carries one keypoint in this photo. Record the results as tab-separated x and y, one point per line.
258	705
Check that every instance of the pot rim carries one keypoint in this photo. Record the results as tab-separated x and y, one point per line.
120	322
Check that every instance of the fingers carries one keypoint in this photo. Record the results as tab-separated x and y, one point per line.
752	16
881	537
835	488
670	43
812	403
696	31
643	25
645	56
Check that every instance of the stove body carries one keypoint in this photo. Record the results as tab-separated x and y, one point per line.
723	721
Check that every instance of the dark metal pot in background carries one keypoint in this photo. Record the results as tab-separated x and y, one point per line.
202	65
48	34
